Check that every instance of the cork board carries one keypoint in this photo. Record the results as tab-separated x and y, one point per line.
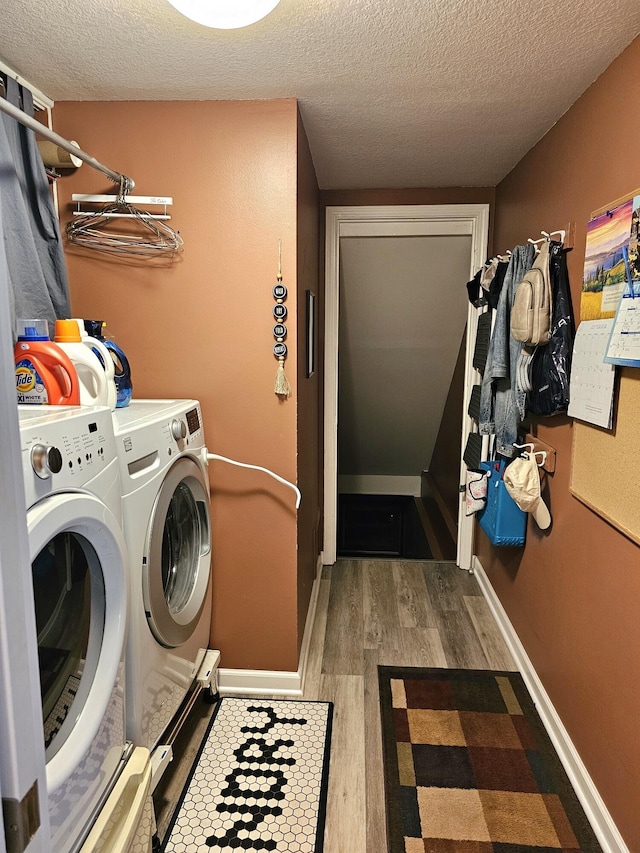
605	465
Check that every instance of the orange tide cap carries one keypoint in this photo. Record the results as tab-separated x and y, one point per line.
67	332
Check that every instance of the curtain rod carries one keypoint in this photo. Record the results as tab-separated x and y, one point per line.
41	101
8	108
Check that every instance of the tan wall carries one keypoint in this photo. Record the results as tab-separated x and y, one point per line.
310	389
202	327
573	595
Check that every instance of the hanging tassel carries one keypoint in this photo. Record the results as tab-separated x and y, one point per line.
282	387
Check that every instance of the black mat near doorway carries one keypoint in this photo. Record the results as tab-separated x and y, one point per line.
381	526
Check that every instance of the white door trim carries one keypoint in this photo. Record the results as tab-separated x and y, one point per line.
391	220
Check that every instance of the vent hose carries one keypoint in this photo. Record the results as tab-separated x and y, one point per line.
212	456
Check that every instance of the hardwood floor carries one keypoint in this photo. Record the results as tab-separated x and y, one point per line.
370	613
417	613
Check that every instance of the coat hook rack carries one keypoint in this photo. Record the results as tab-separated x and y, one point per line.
547	235
550	234
549	463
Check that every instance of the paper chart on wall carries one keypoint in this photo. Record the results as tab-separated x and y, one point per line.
592	381
624	342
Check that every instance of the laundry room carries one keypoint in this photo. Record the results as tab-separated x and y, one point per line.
195	326
249	200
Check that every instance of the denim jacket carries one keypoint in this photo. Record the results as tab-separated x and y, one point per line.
499	400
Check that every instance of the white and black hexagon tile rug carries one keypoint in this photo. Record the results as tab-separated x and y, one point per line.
260	782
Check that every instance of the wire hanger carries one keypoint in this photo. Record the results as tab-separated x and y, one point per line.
150	237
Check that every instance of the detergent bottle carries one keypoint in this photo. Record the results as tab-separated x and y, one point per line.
94	390
124	385
45	375
104	357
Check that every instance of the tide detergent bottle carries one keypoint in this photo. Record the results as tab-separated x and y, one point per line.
103	355
94	390
45	375
124	385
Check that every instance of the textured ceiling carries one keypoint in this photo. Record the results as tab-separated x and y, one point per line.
393	93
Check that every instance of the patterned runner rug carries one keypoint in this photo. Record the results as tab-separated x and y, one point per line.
469	767
260	781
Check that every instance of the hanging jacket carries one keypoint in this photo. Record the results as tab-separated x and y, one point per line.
498	403
551	366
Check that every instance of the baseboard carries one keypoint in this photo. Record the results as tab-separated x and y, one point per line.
378	484
605	829
261	682
258	682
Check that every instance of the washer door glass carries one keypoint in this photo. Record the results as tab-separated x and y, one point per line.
62	594
177	555
181	546
80	603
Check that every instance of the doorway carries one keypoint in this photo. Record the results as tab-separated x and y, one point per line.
407	221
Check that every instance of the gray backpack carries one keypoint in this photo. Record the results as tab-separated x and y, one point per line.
531	310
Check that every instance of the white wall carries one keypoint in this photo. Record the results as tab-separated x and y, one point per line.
403	310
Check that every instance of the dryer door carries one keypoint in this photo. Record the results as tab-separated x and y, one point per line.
80	594
175	570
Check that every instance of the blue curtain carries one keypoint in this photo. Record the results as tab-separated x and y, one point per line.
38	284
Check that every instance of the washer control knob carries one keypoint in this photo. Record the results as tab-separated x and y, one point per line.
178	429
46	460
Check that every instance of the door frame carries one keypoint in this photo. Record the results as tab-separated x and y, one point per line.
390	221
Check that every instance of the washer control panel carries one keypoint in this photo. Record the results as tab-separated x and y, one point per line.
46	460
147	437
178	429
193	420
63	447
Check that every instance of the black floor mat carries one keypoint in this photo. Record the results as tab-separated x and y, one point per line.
380	526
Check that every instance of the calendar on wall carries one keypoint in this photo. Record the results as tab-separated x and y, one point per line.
608	341
609	330
592	383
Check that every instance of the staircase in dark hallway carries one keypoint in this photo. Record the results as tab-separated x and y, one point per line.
381	526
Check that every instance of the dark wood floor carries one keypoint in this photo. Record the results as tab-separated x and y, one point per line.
370	613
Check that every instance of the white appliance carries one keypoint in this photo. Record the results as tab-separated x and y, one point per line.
165	505
78	560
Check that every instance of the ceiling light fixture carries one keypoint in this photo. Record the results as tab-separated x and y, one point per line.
225	14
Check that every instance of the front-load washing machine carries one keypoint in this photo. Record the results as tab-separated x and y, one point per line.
165	505
78	564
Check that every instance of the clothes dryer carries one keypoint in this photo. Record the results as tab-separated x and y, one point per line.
165	504
80	590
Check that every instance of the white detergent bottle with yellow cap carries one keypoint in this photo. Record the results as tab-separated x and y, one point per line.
94	389
104	357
